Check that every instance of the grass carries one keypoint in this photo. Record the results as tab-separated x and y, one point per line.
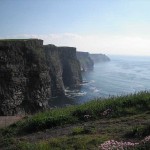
139	131
77	142
83	130
121	106
127	108
18	39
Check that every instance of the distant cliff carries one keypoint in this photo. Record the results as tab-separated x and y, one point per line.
99	58
66	62
30	74
85	61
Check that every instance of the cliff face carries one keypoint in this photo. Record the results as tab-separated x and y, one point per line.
55	70
30	74
99	58
85	61
71	67
69	74
24	77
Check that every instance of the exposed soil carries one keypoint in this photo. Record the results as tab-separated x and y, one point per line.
8	120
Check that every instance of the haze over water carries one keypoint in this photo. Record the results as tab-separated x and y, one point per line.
122	75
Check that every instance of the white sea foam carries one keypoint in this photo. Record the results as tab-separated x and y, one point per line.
92	81
94	89
75	93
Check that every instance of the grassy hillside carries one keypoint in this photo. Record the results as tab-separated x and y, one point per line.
84	126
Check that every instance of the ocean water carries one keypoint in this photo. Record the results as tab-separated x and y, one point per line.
120	76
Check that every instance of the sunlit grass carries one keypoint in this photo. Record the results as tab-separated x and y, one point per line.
120	106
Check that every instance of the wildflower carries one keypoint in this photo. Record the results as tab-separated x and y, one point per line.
146	139
115	145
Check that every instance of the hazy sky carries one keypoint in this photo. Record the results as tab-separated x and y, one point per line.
100	26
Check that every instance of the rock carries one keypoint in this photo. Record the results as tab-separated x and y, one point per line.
55	70
106	112
85	61
67	67
30	74
71	67
87	116
23	77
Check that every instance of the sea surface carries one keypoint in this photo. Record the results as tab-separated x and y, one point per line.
120	76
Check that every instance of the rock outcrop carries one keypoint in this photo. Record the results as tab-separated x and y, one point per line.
85	61
99	58
30	74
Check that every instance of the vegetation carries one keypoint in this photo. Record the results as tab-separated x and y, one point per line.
139	131
91	124
17	39
83	130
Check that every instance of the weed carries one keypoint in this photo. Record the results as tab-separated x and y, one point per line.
83	130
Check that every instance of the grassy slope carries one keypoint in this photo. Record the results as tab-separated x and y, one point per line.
67	128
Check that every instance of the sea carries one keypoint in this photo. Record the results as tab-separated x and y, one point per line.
120	76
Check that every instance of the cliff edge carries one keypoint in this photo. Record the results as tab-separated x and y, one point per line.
30	74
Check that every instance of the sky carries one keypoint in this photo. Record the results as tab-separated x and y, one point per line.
98	26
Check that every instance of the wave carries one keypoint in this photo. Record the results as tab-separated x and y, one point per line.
94	89
92	81
74	93
84	82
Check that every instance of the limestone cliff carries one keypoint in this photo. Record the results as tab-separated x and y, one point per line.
99	58
85	61
24	78
30	74
55	70
65	59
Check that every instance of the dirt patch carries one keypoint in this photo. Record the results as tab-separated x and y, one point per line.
8	120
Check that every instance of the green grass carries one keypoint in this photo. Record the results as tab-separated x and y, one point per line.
83	130
18	39
121	106
78	142
124	109
139	131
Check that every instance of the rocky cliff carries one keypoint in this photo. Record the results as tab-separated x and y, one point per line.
85	61
99	58
30	74
71	67
55	70
24	78
65	59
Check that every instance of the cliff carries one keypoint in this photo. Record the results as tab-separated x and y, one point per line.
65	59
24	78
99	58
55	70
30	74
85	61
